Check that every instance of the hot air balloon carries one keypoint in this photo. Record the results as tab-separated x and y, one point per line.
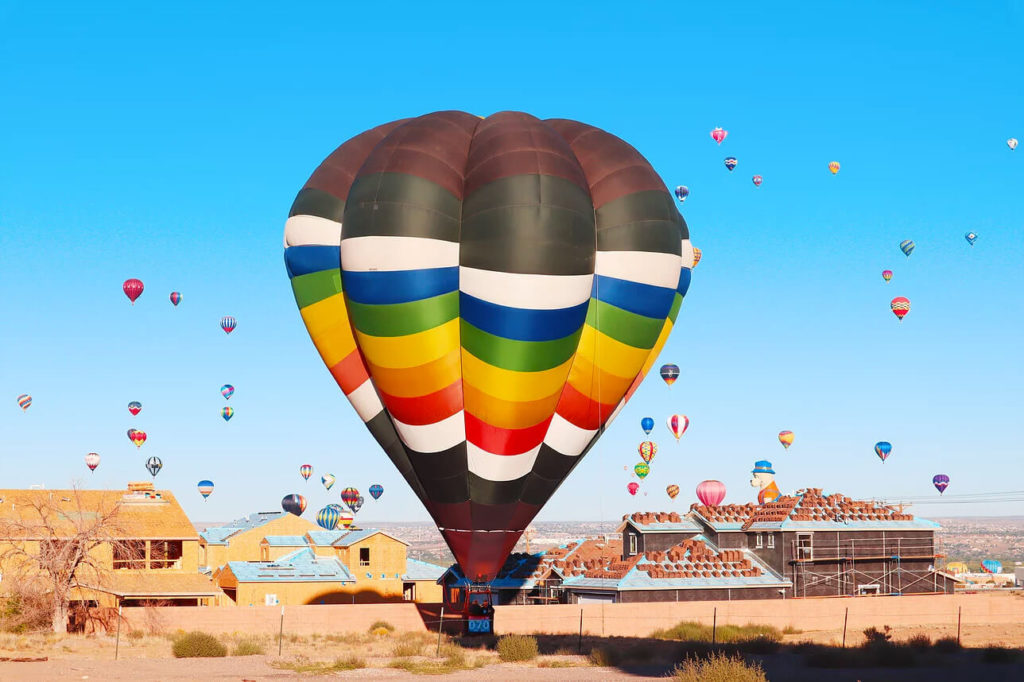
227	413
462	337
697	253
327	518
358	504
132	289
175	298
970	237
376	490
677	424
757	180
672	491
682	191
907	247
328	481
941	482
1012	143
669	373
647	424
730	163
154	465
882	449
306	470
900	307
887	275
711	493
991	566
92	460
24	400
294	504
833	167
642	469
138	437
786	438
350	496
345	518
227	390
135	407
647	450
130	435
718	135
228	324
632	487
205	487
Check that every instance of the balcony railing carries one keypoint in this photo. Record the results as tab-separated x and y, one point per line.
865	550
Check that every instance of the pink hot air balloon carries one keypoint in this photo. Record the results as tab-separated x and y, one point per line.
710	493
677	424
718	135
132	289
633	487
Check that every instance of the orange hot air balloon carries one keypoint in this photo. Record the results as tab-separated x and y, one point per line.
672	491
786	438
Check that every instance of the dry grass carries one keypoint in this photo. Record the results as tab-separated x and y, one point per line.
305	665
718	668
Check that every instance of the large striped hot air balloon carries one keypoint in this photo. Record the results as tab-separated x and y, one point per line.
327	517
504	285
205	488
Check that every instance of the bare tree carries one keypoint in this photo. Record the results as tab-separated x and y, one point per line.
51	540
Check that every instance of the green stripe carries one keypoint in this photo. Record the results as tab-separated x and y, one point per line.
402	319
518	356
316	286
629	328
676	303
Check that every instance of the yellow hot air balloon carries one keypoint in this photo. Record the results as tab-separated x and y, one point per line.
696	257
786	438
833	166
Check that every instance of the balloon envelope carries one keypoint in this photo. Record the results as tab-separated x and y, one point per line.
24	400
757	180
306	470
833	167
941	482
135	407
672	491
376	490
718	134
711	493
294	504
228	324
345	518
1012	143
328	481
647	451
350	496
971	238
900	307
991	566
730	162
697	254
669	373
327	518
633	487
882	449
677	424
205	487
682	191
907	247
154	465
227	413
647	424
786	438
227	390
92	460
642	469
138	437
887	275
132	289
175	298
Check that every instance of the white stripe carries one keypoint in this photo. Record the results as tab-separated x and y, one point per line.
687	254
309	230
366	401
534	292
434	437
500	467
645	267
367	254
567	438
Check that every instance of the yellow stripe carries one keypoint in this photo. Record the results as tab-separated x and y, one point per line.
413	382
614	357
596	384
508	414
328	326
658	345
412	350
514	386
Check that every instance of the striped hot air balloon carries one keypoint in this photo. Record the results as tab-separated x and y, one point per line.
682	191
672	491
907	247
24	401
154	465
711	493
900	307
350	496
669	374
376	490
786	438
294	504
697	253
227	390
228	324
306	470
327	518
730	163
227	413
92	460
647	450
941	482
887	275
205	488
677	425
175	298
882	449
345	519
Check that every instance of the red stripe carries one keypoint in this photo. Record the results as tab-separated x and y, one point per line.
350	372
501	441
581	411
427	409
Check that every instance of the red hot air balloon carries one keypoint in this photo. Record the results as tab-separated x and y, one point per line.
175	298
133	289
900	307
711	493
718	135
633	487
138	437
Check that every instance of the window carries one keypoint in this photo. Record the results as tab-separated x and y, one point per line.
771	541
760	541
364	557
804	549
130	554
165	554
632	544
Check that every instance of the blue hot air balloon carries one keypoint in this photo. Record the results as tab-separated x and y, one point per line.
907	247
647	423
882	449
941	482
205	488
669	373
970	237
730	162
376	490
327	517
991	566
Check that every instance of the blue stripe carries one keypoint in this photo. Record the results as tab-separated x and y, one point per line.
522	324
302	260
399	286
641	299
684	281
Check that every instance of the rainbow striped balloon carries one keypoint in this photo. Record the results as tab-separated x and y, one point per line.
24	400
488	293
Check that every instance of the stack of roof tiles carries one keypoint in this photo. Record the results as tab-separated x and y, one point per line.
694	559
806	505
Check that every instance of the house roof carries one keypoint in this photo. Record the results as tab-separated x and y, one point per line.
324	538
422	570
660	522
142	512
286	540
523	571
353	536
154	585
218	535
300	566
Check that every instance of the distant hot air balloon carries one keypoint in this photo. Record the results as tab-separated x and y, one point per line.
941	482
900	307
718	135
672	491
228	324
294	504
633	487
647	450
327	518
669	373
306	470
682	191
711	493
642	469
882	449
887	275
358	505
175	298
786	438
730	163
970	237
907	247
350	496
647	424
677	424
991	566
345	518
135	407
24	400
227	413
227	390
138	437
154	465
376	490
132	289
92	460
833	167
757	180
1012	143
205	488
697	253
131	436
328	481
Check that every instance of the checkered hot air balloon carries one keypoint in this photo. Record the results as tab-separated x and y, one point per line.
327	518
647	450
306	470
24	401
376	490
487	293
900	307
228	324
205	487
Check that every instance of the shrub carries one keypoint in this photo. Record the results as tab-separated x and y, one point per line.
381	625
920	641
406	648
790	630
517	648
998	654
248	647
689	631
25	609
718	668
947	645
875	636
760	645
135	635
304	665
198	645
604	657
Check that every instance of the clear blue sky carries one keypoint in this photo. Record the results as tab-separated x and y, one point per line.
167	143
